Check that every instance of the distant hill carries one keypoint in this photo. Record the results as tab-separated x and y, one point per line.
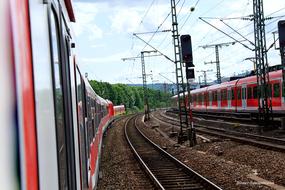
164	87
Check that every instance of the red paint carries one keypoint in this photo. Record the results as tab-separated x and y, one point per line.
70	11
94	148
22	31
236	88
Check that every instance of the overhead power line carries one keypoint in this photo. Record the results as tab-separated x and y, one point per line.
147	11
238	41
139	33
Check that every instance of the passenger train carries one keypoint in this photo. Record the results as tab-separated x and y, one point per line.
52	122
238	96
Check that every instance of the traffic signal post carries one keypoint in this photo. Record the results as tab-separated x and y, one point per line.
187	58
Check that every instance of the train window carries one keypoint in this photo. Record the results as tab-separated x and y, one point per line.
255	92
229	95
59	103
233	93
276	90
249	93
238	93
81	129
269	90
210	96
215	96
219	95
224	95
243	93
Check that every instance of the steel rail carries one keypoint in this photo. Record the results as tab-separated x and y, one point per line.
165	170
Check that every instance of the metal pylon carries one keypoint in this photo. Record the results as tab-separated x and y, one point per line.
264	103
182	103
145	90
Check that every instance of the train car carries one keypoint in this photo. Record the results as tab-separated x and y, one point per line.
119	110
110	108
52	121
238	96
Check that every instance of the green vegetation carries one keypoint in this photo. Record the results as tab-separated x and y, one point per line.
131	97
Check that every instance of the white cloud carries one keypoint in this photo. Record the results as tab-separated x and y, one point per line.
86	21
108	25
125	20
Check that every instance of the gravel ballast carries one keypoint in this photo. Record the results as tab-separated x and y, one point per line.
226	163
118	166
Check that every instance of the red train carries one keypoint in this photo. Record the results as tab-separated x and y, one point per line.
52	122
119	110
238	96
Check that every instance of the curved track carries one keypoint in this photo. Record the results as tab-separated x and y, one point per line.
257	140
165	171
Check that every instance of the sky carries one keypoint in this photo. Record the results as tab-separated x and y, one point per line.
104	35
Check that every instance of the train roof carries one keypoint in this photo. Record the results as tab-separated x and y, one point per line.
93	94
119	106
252	79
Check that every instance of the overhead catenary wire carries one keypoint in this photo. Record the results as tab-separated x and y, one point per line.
189	14
158	28
247	25
227	34
147	11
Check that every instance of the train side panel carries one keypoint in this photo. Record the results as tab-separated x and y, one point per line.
8	175
237	96
119	110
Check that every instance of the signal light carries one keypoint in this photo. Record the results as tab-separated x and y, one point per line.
186	48
190	74
281	31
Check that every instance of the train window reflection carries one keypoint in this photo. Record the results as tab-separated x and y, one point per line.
59	104
255	92
276	88
249	93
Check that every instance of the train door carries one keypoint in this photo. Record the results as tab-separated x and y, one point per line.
80	89
202	99
210	98
62	99
229	98
243	96
219	99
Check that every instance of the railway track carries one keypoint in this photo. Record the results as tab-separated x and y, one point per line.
257	140
165	171
244	118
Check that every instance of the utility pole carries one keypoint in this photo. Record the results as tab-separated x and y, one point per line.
217	62
145	90
205	75
199	80
262	75
173	83
182	103
144	75
252	59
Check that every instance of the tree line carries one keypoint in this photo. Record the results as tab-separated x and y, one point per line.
132	97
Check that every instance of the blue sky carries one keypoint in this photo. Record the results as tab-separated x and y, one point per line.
104	35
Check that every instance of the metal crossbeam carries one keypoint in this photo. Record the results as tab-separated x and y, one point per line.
145	90
217	62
